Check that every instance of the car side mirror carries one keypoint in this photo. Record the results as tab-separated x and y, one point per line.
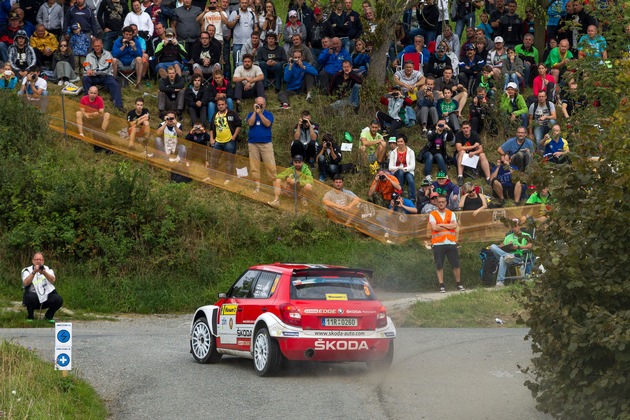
222	295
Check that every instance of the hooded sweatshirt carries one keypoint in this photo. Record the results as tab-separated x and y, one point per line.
21	58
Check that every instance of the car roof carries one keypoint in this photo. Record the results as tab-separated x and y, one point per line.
304	269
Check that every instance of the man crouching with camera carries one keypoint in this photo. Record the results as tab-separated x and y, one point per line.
39	290
34	89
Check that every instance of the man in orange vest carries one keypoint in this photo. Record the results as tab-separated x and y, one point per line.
443	239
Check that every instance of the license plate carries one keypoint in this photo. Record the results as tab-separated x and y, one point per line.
340	322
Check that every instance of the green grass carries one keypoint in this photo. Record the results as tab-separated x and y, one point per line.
31	388
476	309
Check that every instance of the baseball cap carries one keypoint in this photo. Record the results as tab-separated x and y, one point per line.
425	183
298	158
512	85
75	26
498	39
469	46
434	195
13	16
292	13
317	11
392	139
441	175
170	31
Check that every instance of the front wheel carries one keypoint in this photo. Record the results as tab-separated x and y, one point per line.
385	362
267	355
203	345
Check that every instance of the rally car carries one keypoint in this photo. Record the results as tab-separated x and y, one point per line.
286	311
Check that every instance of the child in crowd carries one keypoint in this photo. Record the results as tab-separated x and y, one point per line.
485	25
79	43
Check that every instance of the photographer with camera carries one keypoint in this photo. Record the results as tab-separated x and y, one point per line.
169	53
305	136
299	75
395	101
34	89
167	138
128	54
400	204
259	144
382	188
328	158
39	290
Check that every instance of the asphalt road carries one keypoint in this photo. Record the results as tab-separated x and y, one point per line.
142	367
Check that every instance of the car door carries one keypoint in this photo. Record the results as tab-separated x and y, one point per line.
256	304
232	309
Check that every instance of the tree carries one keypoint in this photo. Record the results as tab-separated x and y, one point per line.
578	311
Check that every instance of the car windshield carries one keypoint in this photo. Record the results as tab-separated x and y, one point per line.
331	288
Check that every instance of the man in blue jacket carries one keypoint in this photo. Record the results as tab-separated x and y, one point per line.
330	62
298	75
128	52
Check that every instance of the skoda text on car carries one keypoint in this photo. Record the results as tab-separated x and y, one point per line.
296	312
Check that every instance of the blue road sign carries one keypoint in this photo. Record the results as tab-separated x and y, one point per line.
63	336
63	360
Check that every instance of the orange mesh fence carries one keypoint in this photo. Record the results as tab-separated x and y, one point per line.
233	173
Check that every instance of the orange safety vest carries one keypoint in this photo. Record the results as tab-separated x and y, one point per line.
442	235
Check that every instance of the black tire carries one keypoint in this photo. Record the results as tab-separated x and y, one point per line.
203	345
268	358
383	363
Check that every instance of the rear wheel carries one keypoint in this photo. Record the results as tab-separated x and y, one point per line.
203	344
385	362
267	355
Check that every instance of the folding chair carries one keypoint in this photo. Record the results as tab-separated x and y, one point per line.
523	269
415	57
128	76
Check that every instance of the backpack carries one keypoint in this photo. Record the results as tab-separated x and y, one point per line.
489	265
536	106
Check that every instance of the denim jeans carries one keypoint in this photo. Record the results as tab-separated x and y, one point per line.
428	35
507	78
212	108
230	149
468	20
325	169
403	177
428	162
503	265
540	131
353	100
272	71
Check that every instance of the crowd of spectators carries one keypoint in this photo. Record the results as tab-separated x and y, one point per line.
454	87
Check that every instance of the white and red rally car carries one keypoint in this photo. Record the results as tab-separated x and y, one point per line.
296	312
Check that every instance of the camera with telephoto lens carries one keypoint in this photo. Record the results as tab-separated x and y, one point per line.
170	118
382	177
33	76
395	197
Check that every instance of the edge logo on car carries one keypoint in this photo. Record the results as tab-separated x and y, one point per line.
341	345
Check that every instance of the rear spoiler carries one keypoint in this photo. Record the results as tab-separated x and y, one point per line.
331	270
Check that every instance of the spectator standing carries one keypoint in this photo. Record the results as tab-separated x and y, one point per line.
80	13
111	17
242	22
185	24
39	289
353	21
225	127
141	19
80	44
259	144
293	27
511	26
444	226
316	32
50	14
213	16
269	21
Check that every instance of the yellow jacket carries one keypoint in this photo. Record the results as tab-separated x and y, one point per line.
47	41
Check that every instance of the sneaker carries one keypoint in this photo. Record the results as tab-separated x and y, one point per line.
499	284
285	106
304	201
424	131
461	288
322	178
508	258
460	180
442	289
274	203
60	83
175	159
428	178
309	97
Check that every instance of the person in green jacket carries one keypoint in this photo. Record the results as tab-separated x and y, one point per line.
297	176
513	104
